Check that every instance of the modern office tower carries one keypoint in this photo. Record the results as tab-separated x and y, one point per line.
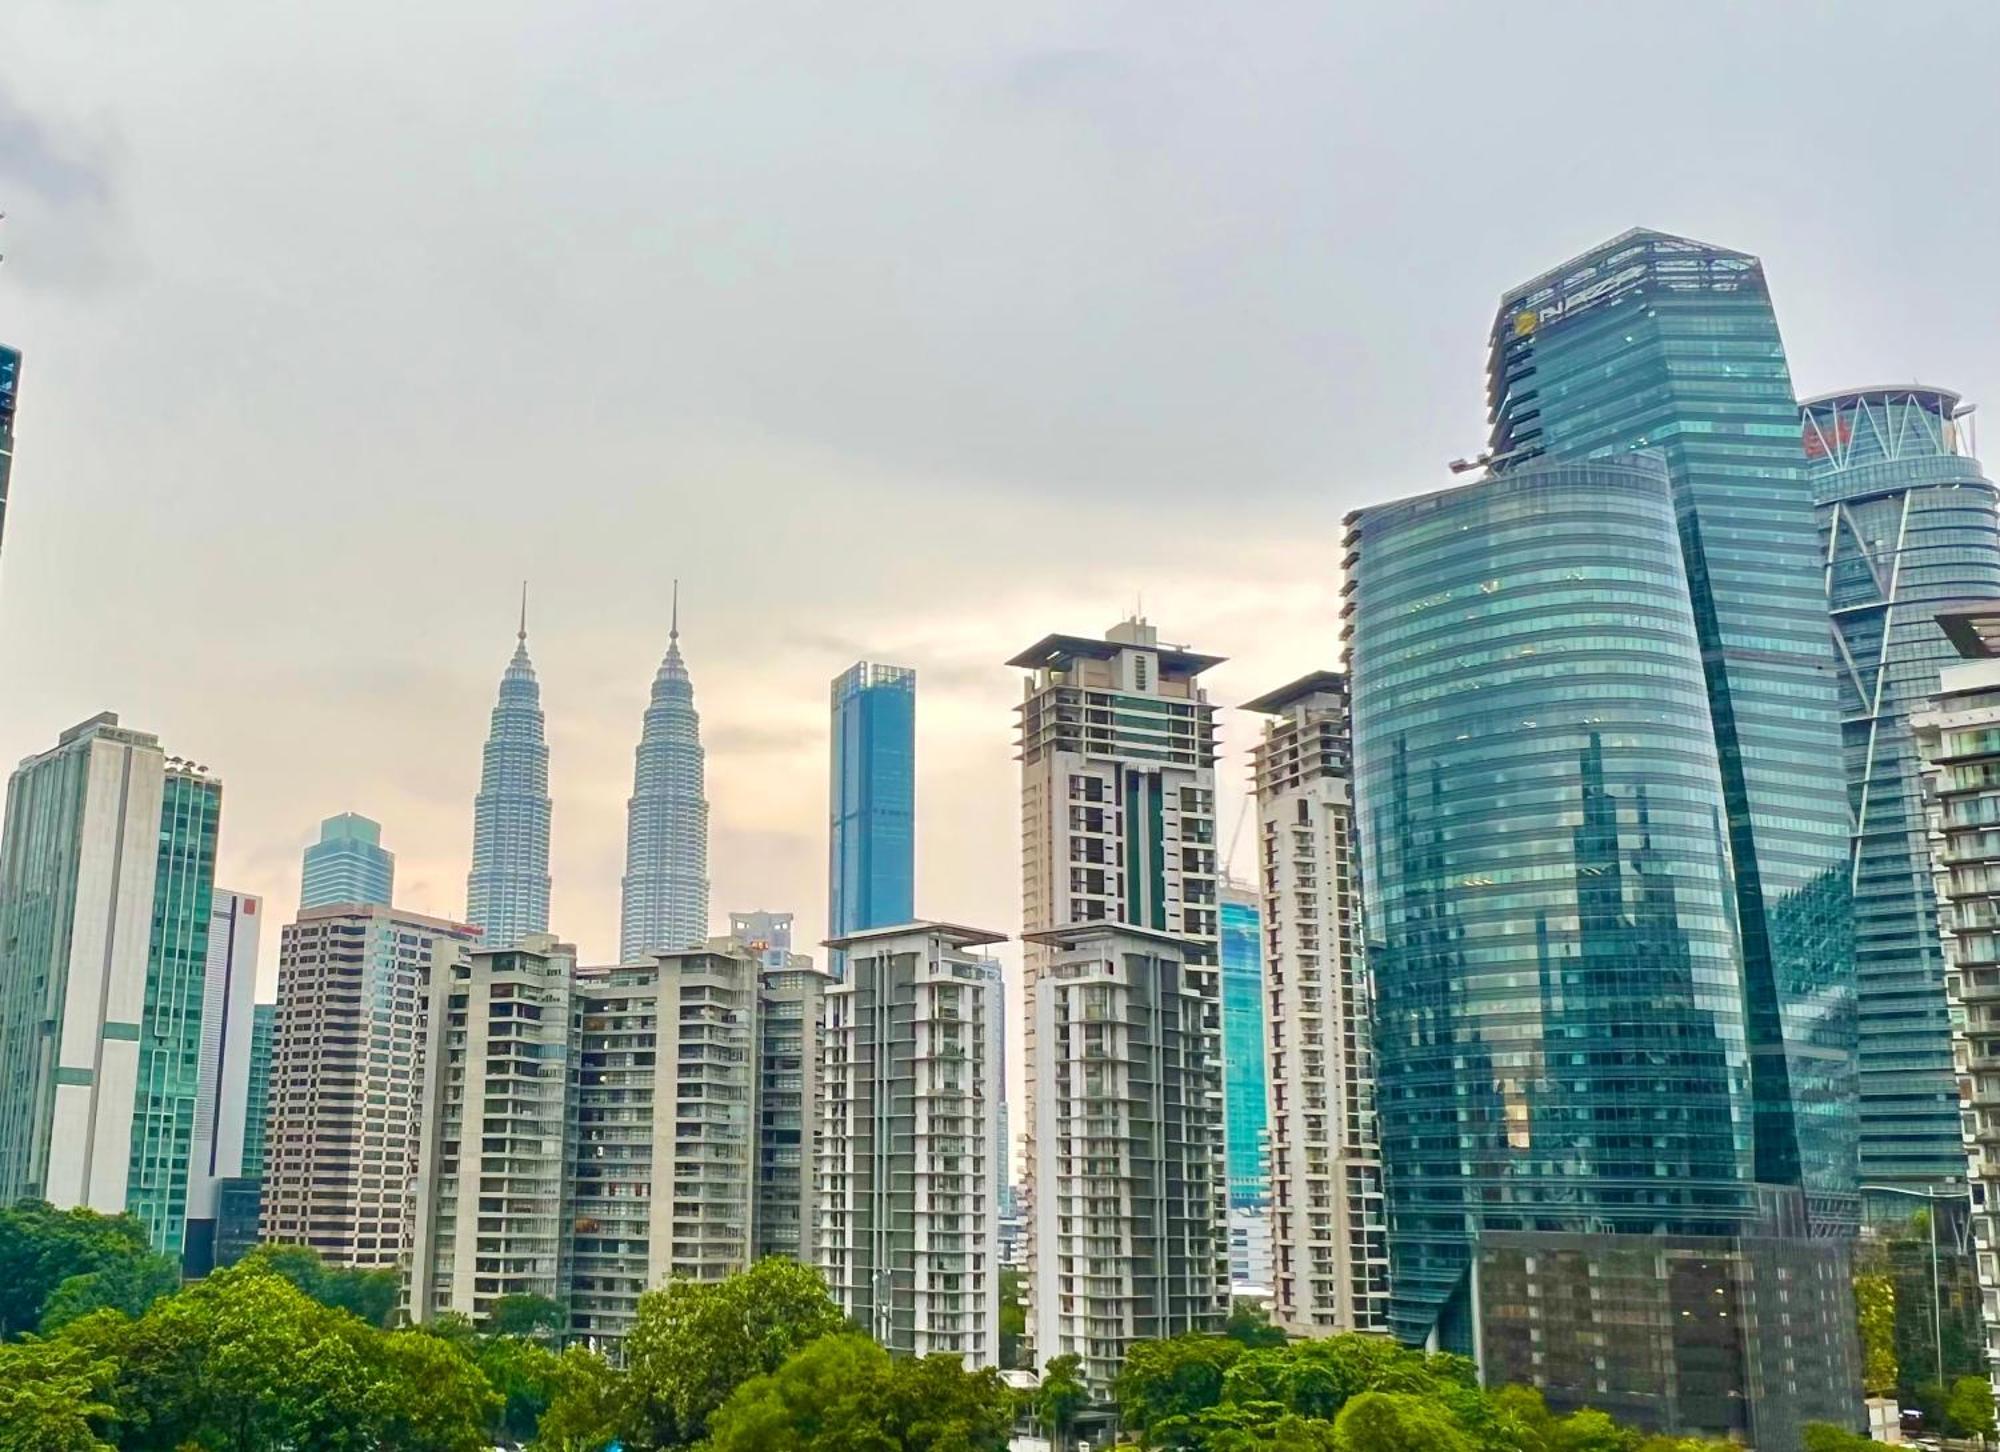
1957	739
666	830
872	830
10	380
909	1226
1566	1064
768	937
1243	1107
790	1016
1662	343
106	867
491	1217
1117	750
507	891
348	864
257	1099
347	1065
222	1102
1906	522
1128	1231
1330	1238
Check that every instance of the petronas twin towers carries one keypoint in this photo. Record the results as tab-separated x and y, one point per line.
666	837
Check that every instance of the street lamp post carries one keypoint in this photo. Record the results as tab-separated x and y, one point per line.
1937	1301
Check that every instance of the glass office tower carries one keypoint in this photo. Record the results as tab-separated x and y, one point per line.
1244	1111
1907	522
871	858
1566	1066
507	891
1662	343
347	864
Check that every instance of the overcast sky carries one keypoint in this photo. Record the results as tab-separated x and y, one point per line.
911	332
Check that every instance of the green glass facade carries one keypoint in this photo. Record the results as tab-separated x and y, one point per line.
163	1108
1566	1069
1662	343
257	1101
1907	522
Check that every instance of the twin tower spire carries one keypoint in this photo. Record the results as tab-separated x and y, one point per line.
666	835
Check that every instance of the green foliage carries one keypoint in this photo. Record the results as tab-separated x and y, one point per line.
1172	1378
244	1361
694	1343
42	1248
1251	1325
1013	1317
369	1294
1062	1394
52	1398
524	1375
127	1283
525	1316
1396	1422
1825	1437
844	1392
1875	1311
1968	1408
586	1407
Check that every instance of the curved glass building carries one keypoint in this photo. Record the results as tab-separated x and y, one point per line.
1907	522
1565	1066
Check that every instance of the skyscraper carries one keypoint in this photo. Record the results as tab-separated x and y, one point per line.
1659	342
909	1222
1564	1026
107	863
10	380
871	859
507	891
1243	1109
1329	1233
347	1065
228	1008
1906	522
348	864
1117	751
257	1101
1957	737
666	830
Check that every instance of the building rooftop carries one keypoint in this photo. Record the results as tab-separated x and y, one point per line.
1076	933
956	934
1630	237
1973	626
1273	702
1948	398
1052	650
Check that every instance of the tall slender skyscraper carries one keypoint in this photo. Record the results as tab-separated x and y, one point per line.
507	891
871	858
107	865
1658	342
666	827
348	864
1244	1112
228	1009
10	378
1907	522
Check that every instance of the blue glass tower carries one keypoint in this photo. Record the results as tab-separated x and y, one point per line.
1907	522
347	864
665	904
871	860
1658	342
1243	1108
507	891
1565	1057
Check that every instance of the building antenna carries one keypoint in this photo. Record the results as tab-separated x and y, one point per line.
523	636
674	631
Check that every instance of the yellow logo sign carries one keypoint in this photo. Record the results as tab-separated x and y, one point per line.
1524	322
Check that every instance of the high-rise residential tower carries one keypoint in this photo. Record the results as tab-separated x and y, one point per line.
1128	1240
347	1065
666	831
909	1217
1330	1245
871	859
10	381
1117	751
1565	1046
348	864
1957	738
1244	1112
222	1103
1906	522
790	1030
1663	343
107	864
507	891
